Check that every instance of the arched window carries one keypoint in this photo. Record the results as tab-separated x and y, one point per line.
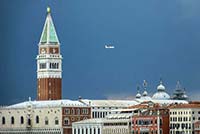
72	111
46	121
3	120
66	121
78	111
29	122
12	120
22	120
56	121
37	119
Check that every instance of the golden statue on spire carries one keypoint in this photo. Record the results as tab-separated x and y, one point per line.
48	9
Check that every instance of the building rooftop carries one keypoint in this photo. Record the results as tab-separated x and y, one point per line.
49	103
109	103
184	106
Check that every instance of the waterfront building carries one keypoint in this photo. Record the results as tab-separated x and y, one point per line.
151	120
54	117
102	108
114	123
183	118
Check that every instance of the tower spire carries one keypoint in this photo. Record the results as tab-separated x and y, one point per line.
49	33
145	93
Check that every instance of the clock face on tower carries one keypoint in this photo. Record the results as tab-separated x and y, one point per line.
43	51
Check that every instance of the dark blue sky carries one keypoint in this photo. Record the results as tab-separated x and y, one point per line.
152	39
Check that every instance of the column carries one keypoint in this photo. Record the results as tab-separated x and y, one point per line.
96	129
84	130
102	115
80	130
92	130
89	132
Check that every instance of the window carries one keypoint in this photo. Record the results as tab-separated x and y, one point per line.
29	121
78	111
22	120
37	120
3	120
12	120
161	122
85	111
56	121
67	111
72	111
46	121
54	65
66	121
42	65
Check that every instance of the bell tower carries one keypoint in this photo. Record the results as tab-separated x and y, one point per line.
49	63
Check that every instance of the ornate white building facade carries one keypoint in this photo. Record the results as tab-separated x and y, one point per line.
41	117
183	118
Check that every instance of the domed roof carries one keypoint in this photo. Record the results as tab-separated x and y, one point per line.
145	93
161	96
138	95
185	96
161	87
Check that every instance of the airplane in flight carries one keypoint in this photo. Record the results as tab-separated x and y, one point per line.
109	46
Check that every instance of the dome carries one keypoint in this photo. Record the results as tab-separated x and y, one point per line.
138	95
161	96
161	87
145	93
146	98
185	96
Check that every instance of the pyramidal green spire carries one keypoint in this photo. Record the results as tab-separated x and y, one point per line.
49	35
